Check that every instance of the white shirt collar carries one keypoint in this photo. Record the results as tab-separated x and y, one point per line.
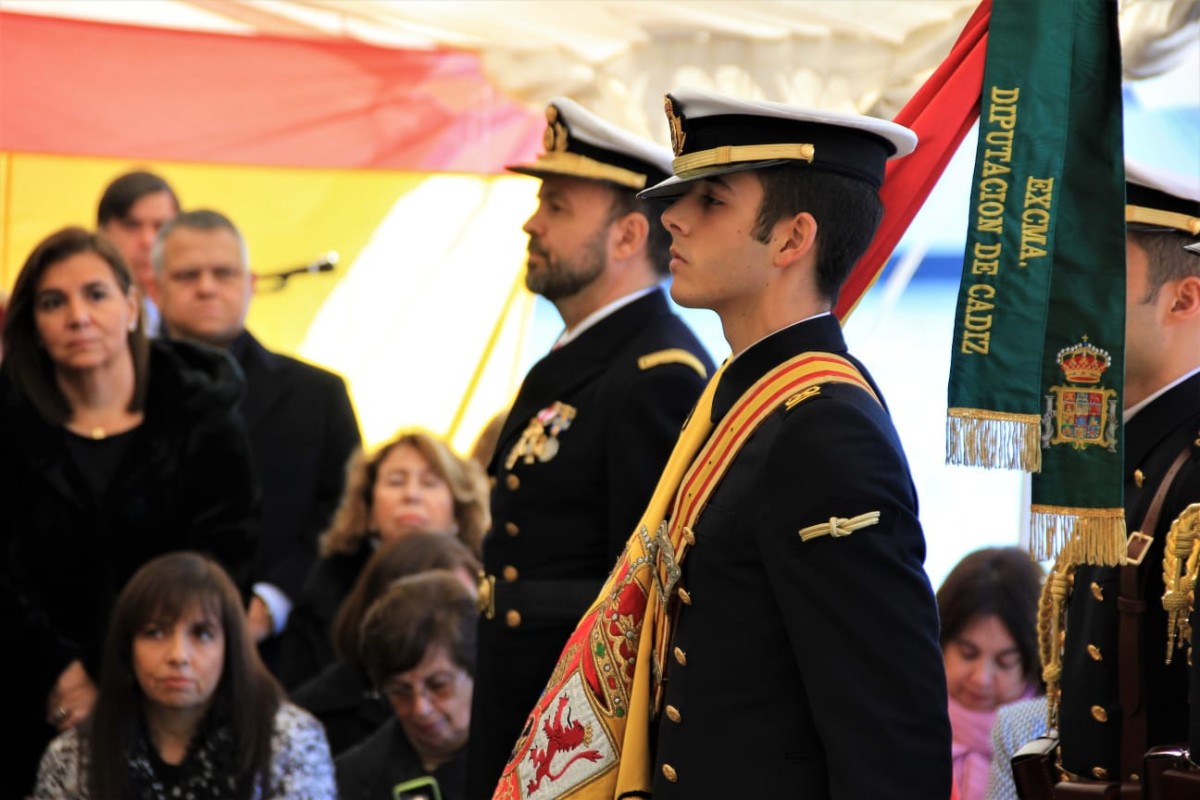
1131	411
591	319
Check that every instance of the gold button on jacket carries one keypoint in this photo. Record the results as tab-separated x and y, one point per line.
513	618
512	481
1099	714
681	657
672	713
509	573
511	528
669	773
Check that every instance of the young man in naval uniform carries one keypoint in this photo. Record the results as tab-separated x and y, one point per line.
593	423
1119	696
803	659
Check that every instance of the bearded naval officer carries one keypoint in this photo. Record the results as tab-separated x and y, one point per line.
593	422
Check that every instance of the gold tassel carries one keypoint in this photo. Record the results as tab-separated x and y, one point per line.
976	437
1078	535
1051	624
1181	557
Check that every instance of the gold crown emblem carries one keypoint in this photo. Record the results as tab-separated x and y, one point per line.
1083	362
554	139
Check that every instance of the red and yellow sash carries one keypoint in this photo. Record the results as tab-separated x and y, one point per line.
588	736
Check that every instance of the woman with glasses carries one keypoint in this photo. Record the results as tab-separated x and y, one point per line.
418	646
341	695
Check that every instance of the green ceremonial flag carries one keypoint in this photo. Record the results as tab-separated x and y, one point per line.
1037	363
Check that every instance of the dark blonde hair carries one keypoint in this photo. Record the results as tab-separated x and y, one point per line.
246	697
468	485
430	609
26	360
418	552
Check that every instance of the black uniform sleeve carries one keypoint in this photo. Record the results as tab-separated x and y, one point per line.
858	609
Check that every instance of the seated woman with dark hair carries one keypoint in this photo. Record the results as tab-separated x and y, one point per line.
988	608
414	483
185	706
418	646
341	696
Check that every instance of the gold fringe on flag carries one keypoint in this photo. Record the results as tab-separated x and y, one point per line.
1078	535
976	437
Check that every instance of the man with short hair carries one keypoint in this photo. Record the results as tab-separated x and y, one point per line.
1119	696
799	642
132	210
594	421
301	424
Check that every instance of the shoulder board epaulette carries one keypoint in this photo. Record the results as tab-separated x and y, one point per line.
674	355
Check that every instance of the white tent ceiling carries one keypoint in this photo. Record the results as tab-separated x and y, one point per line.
619	56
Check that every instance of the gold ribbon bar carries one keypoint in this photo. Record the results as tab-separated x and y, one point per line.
583	167
1164	219
738	154
840	526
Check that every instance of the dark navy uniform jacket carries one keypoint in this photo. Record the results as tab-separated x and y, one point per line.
806	669
1090	716
558	526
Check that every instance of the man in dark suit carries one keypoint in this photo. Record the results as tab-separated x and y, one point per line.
1119	696
593	423
804	659
302	426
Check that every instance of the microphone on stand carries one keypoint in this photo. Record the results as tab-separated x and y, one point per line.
326	262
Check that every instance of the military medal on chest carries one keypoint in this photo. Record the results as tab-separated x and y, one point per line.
539	440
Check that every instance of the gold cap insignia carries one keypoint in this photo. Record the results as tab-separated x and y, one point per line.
554	140
678	136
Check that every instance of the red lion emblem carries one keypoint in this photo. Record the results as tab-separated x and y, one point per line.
559	739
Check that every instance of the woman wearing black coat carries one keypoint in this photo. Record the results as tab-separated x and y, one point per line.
113	450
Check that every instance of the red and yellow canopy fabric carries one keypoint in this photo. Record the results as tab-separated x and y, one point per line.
394	158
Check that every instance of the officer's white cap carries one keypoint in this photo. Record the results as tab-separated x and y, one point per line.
714	134
1157	200
580	144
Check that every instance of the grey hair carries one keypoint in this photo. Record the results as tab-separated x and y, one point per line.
201	220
